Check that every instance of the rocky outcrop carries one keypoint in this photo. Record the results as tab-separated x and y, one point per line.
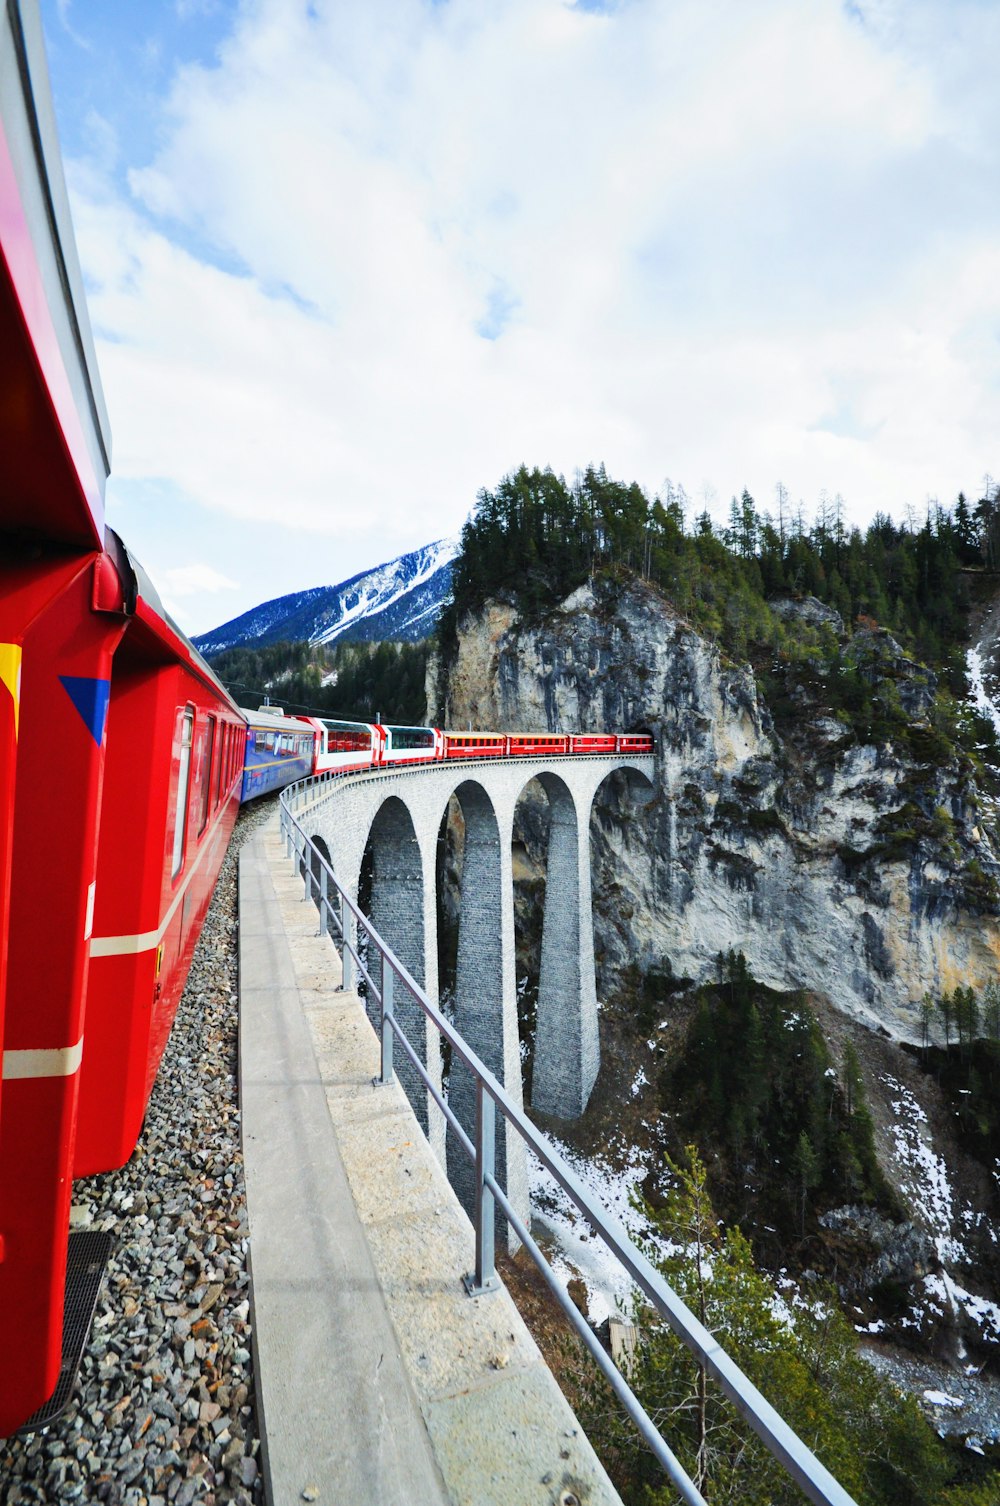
850	869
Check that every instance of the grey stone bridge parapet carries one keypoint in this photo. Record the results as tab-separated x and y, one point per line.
399	812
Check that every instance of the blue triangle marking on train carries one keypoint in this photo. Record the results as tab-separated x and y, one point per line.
90	697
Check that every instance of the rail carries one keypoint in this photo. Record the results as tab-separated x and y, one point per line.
338	910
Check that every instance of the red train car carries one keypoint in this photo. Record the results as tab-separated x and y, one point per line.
634	742
474	744
119	765
593	742
537	744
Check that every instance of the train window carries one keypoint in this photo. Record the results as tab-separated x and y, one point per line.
184	728
205	772
412	737
217	793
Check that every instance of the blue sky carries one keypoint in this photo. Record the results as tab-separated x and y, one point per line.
347	264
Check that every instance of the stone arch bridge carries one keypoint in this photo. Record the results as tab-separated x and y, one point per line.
398	814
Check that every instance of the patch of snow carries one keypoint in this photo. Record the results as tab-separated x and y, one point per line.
639	1081
947	1296
924	1175
942	1399
980	696
578	1251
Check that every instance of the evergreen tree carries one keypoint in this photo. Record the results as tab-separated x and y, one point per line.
871	1438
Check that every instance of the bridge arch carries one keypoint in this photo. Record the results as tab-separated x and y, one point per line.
624	813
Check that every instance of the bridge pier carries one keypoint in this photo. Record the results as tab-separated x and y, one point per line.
567	1049
397	913
486	997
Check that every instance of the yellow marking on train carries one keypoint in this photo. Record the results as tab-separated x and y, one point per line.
268	763
10	675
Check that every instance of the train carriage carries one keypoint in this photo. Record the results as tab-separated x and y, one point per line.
537	745
593	742
634	742
406	745
474	744
279	750
342	746
175	745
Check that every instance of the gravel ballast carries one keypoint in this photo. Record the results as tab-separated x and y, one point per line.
163	1410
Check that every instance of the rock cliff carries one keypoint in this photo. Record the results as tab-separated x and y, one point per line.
864	872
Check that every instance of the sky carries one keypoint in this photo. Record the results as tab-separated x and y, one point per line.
349	263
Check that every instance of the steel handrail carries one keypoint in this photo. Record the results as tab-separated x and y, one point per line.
800	1462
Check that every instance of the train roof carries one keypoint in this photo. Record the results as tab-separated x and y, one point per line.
146	613
275	721
54	430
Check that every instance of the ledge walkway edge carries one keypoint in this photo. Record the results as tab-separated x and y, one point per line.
377	1378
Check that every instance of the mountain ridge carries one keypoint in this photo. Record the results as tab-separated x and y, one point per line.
400	599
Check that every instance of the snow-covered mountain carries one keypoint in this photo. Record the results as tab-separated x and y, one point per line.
401	600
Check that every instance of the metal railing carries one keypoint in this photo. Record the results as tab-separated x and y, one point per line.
338	910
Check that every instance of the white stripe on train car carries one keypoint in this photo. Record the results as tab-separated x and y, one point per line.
146	941
43	1062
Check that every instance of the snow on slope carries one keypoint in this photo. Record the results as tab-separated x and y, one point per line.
400	599
386	587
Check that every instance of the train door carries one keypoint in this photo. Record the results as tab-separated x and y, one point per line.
141	853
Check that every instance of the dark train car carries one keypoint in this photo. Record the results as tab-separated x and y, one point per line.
116	794
279	750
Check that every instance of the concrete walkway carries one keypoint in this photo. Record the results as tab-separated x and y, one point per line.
378	1379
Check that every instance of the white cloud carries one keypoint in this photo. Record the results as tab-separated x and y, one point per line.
386	253
189	580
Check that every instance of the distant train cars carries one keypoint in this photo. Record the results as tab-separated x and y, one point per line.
278	747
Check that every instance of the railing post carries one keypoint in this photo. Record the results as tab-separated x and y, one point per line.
322	899
484	1278
388	981
347	961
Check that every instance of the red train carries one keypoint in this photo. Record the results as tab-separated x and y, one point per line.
109	851
119	773
347	746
